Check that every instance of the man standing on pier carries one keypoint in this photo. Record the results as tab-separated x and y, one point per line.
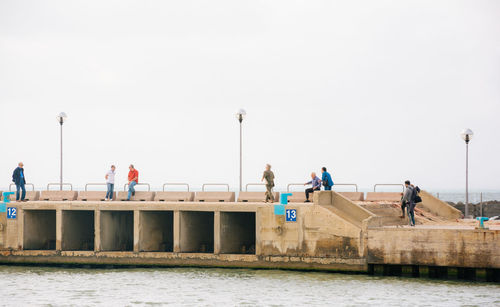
268	176
316	186
409	201
20	181
133	179
326	178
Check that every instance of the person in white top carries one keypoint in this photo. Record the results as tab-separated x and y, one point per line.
110	181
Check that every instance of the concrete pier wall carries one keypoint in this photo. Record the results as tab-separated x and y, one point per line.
333	233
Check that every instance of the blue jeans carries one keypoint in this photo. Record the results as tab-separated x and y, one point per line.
109	193
328	188
411	212
131	189
20	187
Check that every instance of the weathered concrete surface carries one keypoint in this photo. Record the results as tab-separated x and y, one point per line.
333	233
434	246
439	207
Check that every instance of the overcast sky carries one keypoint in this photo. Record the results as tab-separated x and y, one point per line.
377	91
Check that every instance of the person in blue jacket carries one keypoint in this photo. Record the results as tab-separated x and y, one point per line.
326	179
20	181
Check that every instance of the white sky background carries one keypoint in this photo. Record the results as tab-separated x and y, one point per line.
377	91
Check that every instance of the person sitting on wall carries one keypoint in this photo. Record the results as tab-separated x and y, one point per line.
316	185
326	178
133	180
20	181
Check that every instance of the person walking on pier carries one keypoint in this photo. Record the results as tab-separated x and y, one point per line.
268	176
408	199
20	181
110	182
133	180
326	179
316	185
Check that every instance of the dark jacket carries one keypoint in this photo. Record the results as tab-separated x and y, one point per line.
16	176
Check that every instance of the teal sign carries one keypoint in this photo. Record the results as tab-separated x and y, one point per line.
6	200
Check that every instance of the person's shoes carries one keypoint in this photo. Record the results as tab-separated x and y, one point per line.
401	216
24	200
18	201
307	201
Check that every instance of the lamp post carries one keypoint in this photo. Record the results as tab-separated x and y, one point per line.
61	118
467	136
240	115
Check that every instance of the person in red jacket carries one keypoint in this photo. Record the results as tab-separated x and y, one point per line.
133	179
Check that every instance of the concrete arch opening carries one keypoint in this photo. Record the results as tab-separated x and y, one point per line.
156	231
78	230
196	232
237	232
117	230
39	230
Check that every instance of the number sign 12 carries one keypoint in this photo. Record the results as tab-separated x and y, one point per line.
11	213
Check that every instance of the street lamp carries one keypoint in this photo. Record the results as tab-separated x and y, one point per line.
61	118
240	115
467	136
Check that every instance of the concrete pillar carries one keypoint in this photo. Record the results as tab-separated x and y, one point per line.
20	228
217	232
136	230
59	229
97	227
258	228
177	231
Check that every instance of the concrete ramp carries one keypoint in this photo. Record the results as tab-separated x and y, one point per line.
343	207
438	207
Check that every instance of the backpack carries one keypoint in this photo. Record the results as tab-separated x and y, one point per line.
415	198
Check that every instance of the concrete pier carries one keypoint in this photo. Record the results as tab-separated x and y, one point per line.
333	233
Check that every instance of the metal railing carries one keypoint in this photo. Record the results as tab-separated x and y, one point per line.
183	184
256	184
388	184
29	184
214	184
346	184
147	184
293	184
58	184
105	184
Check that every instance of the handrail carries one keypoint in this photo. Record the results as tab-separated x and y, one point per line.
205	184
290	184
388	184
71	186
126	184
93	184
246	187
13	184
173	183
347	184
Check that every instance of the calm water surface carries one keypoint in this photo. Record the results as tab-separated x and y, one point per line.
23	286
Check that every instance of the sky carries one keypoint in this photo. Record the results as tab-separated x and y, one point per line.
376	91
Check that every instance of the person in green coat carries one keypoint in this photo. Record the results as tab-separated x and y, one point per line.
268	176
